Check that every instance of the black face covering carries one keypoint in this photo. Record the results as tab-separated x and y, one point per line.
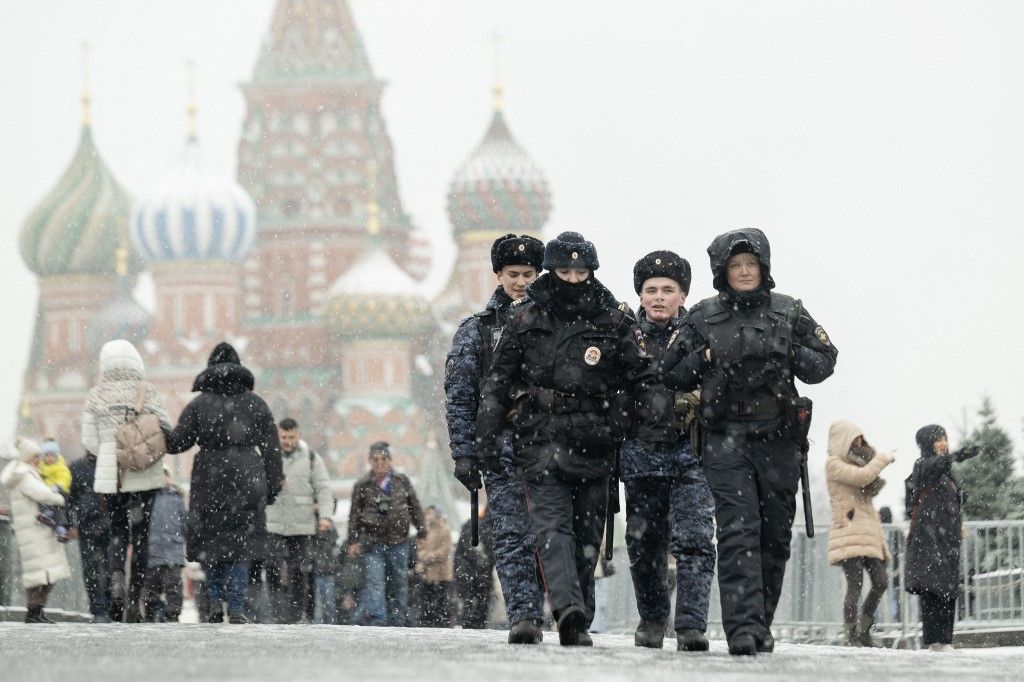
747	299
572	299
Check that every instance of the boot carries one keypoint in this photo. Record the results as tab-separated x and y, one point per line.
743	645
585	639
216	613
864	630
238	619
525	632
572	622
767	646
34	614
691	640
649	634
850	637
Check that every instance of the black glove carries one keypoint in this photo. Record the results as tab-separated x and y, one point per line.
966	453
492	463
467	471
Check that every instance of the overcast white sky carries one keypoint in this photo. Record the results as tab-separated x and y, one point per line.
880	145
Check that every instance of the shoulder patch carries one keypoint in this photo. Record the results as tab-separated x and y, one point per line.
822	335
638	333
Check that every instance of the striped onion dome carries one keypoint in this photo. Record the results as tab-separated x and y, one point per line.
194	215
77	226
499	187
376	298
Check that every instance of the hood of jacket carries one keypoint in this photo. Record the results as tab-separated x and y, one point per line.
224	374
119	360
926	437
540	293
724	246
841	436
27	449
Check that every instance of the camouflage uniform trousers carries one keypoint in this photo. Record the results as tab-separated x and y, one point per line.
514	553
679	508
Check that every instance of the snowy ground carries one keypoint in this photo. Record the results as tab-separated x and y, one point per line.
297	653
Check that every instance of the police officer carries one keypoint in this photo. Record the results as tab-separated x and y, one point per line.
744	348
667	496
516	262
569	366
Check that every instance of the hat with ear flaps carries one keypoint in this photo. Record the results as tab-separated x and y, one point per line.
517	250
662	264
570	250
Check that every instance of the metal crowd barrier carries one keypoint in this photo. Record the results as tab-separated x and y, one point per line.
990	606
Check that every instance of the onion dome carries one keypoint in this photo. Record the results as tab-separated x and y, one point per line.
375	297
77	227
499	188
194	215
121	318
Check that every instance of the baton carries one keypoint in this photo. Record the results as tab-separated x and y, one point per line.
474	518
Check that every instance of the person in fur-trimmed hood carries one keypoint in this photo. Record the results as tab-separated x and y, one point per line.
235	474
855	541
43	561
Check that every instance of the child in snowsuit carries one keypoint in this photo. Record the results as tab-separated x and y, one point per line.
57	476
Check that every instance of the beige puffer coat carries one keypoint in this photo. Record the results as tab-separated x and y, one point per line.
121	372
856	530
43	559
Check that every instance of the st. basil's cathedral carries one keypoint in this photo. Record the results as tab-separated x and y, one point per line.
307	263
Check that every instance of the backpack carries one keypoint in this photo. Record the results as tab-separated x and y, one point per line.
140	440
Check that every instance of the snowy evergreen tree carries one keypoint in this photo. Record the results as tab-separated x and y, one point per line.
993	491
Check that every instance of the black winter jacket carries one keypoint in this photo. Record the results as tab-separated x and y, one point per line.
237	470
574	386
932	561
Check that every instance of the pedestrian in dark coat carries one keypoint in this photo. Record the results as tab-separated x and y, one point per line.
932	568
89	517
236	473
473	570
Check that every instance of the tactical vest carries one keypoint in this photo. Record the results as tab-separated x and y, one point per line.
751	379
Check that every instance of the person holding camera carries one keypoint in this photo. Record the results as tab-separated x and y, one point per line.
384	504
745	348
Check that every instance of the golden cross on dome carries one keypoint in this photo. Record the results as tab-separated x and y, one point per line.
498	90
192	108
86	96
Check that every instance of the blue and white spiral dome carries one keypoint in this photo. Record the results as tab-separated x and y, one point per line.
194	215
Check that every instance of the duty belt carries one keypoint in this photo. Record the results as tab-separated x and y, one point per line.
762	409
556	402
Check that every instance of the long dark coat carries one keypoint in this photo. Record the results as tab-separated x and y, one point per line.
237	470
933	544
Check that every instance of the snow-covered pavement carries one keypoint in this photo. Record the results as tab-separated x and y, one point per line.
253	653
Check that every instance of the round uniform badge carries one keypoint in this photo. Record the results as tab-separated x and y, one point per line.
575	255
822	335
592	356
522	247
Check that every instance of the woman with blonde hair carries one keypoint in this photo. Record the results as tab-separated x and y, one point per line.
856	541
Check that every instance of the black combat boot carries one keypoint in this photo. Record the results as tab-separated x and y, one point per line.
743	645
649	634
525	632
571	622
216	613
864	625
238	619
767	646
691	640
